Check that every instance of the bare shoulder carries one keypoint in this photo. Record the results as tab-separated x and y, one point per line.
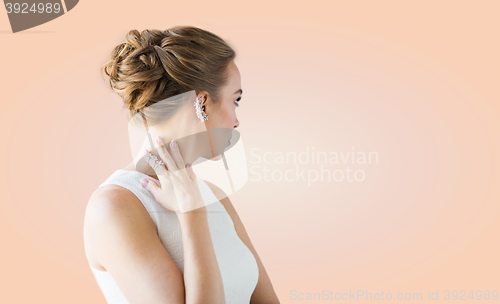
264	291
113	201
111	206
121	238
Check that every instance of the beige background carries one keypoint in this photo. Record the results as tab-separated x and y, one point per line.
416	83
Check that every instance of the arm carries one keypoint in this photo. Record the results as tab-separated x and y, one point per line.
124	240
264	292
201	270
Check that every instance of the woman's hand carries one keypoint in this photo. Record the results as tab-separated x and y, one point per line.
179	190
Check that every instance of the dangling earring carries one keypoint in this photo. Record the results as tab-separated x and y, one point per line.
199	112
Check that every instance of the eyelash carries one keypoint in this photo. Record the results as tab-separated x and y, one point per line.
236	102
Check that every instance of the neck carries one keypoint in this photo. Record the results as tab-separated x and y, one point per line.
191	148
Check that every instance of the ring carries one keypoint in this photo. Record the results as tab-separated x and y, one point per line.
158	162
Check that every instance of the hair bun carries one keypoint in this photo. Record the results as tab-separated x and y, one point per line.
142	72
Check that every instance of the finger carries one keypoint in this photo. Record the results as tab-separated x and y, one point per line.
156	164
151	186
190	172
160	169
156	191
165	156
176	155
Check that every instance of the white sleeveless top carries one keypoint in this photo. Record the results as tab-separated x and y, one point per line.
237	264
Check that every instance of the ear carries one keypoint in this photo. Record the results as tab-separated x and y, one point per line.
204	98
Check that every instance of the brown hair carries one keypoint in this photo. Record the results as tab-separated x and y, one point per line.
154	65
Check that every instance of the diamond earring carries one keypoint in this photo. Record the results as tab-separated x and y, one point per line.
199	112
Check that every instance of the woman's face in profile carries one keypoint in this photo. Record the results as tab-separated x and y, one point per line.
222	116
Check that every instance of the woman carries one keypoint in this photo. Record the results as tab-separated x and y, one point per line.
159	234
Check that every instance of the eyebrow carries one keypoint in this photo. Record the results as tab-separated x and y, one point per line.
239	91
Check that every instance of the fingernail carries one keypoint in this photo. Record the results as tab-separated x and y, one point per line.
173	144
158	139
146	151
144	182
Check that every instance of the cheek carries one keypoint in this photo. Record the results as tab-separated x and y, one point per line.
231	117
226	115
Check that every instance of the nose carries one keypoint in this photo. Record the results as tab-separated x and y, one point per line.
237	123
